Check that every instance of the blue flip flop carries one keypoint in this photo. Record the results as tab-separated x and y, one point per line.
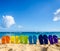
41	39
55	38
34	39
45	38
30	40
51	39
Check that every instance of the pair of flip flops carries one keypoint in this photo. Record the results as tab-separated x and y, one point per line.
43	39
32	39
53	39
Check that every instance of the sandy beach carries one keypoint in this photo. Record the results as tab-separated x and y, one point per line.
29	47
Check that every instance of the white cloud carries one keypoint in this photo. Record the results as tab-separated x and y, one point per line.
57	12
56	18
19	26
8	24
57	15
8	21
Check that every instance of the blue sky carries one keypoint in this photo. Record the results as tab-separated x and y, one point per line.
31	15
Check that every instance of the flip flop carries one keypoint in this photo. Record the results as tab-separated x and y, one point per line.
45	38
34	39
51	39
30	40
17	39
41	39
55	38
25	39
12	38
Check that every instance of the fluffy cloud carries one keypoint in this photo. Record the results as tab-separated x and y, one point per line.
8	21
57	15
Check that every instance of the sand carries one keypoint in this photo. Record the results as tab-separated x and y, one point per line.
29	47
